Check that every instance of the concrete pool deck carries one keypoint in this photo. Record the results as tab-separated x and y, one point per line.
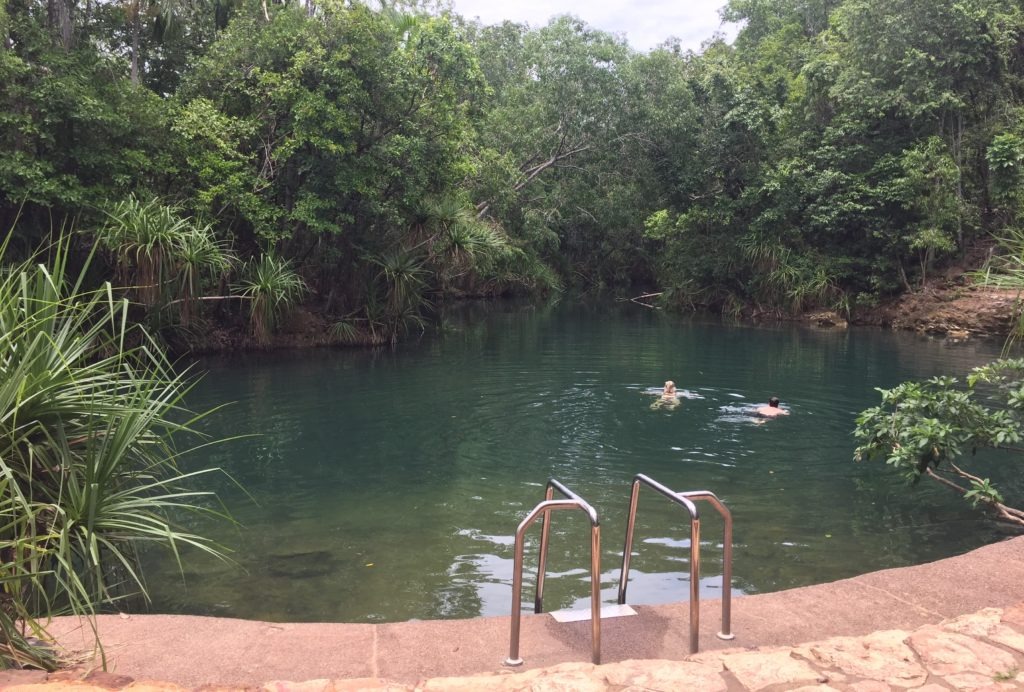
191	651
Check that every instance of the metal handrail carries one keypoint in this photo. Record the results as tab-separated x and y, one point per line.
542	559
726	515
572	501
694	549
686	500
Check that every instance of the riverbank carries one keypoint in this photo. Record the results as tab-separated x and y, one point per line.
951	307
191	651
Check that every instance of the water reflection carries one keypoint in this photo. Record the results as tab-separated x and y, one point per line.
368	506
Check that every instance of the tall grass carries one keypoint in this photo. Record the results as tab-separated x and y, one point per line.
89	414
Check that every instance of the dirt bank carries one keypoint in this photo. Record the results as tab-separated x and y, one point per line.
955	308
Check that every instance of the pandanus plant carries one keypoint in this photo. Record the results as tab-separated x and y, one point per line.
89	434
162	256
454	237
198	255
142	236
272	287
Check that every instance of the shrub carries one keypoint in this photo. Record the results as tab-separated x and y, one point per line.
88	470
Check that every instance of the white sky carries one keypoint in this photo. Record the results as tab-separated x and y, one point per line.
645	23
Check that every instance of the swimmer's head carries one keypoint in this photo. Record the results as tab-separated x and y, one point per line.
669	384
774	402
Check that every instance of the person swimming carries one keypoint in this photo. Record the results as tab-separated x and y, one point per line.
669	398
772	409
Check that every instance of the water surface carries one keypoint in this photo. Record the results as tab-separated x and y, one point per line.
387	485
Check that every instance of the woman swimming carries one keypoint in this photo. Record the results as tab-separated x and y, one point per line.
669	397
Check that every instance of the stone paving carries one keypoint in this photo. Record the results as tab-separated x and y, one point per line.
982	651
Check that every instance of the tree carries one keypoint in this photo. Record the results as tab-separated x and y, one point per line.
929	187
837	152
320	136
915	69
933	429
559	148
74	134
557	92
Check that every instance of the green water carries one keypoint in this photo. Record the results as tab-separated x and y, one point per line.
387	485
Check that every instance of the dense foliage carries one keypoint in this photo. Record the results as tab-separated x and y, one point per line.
392	155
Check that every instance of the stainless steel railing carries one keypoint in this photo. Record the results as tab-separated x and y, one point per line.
685	499
572	501
726	515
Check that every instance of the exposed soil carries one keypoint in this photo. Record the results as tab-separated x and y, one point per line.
950	306
951	303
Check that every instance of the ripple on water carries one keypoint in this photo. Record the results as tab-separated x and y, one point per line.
397	478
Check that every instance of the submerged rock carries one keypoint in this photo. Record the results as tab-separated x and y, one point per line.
302	565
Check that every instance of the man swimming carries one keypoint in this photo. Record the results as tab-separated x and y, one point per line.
772	409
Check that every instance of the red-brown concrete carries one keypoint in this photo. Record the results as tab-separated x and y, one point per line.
192	651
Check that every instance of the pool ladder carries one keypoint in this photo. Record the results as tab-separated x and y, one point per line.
573	501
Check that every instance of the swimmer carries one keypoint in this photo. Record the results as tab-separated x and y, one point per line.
772	409
669	398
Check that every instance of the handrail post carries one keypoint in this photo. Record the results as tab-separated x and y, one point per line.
726	632
542	556
694	584
595	593
572	501
686	500
627	550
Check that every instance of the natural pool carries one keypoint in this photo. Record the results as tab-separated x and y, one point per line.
387	485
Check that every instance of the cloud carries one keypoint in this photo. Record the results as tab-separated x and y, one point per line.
645	23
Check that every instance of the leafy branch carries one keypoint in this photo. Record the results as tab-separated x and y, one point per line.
924	430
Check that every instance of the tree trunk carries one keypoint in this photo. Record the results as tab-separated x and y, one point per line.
483	207
903	277
136	11
59	15
956	136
